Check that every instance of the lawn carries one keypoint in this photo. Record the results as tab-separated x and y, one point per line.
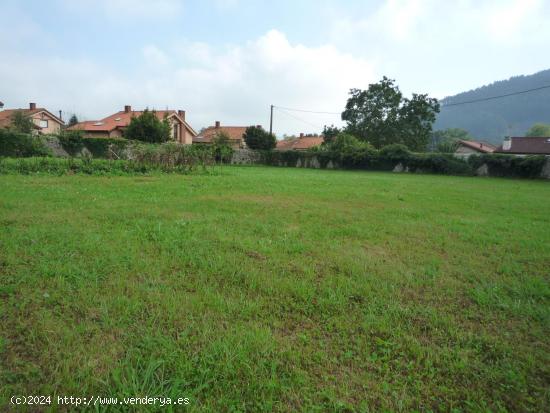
273	289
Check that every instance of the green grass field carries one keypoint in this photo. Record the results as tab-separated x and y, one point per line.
273	289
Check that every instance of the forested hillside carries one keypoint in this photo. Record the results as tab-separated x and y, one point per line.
493	119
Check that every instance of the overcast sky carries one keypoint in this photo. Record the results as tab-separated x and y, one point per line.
228	60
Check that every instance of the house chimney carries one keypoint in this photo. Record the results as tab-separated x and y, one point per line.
301	135
507	144
182	114
127	108
217	124
60	115
32	106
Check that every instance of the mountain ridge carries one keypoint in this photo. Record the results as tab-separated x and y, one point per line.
492	120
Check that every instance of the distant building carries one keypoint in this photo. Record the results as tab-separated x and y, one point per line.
234	133
525	146
470	147
44	121
113	126
301	143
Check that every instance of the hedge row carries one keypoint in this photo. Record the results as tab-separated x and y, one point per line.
497	164
21	144
73	143
86	166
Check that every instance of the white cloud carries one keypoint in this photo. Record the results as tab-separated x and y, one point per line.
235	85
510	21
430	45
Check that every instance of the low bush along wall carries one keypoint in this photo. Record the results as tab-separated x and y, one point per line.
71	153
536	166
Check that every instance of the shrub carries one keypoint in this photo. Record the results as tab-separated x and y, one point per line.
395	151
510	165
22	123
71	141
166	159
257	138
105	147
172	157
147	127
345	142
221	145
439	163
17	144
447	146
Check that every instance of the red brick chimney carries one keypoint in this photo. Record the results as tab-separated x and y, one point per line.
217	124
32	106
127	108
181	113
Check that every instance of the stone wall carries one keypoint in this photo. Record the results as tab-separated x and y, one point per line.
245	157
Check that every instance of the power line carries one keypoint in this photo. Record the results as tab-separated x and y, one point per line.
299	119
495	97
308	111
445	105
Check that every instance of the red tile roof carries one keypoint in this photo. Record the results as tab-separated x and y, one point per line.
527	146
302	143
5	115
235	133
121	120
479	146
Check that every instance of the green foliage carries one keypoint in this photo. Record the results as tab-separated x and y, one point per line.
21	123
382	116
147	127
258	138
105	147
539	129
172	157
439	163
71	141
168	158
444	140
510	165
392	155
221	145
73	120
329	133
344	142
395	151
18	144
447	146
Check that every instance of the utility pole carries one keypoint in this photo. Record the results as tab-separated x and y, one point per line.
271	121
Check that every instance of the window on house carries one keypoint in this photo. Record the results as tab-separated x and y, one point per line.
43	123
176	126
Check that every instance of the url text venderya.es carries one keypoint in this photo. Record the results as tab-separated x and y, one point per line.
98	401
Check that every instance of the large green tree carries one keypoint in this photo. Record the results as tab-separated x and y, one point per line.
382	116
147	127
539	129
257	138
